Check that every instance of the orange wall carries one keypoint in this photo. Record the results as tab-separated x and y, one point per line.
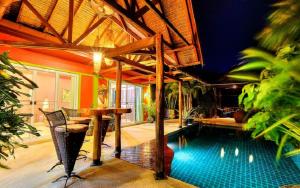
39	59
86	92
45	60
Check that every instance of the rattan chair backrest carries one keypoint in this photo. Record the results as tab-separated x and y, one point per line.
56	118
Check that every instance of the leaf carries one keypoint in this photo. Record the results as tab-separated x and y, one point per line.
292	153
251	53
281	145
254	65
276	124
245	77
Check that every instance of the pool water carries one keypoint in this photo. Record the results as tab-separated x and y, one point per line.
212	158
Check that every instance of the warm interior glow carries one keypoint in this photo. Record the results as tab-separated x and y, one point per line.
97	59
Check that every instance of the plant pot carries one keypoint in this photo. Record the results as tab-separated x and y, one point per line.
150	119
171	113
239	116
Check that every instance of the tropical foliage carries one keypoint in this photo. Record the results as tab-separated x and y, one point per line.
190	90
274	91
150	108
171	95
12	125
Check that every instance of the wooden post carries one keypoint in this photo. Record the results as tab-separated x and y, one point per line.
159	127
118	105
97	141
180	103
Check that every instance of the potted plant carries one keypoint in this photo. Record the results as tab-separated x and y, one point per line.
12	125
171	97
150	108
239	116
188	118
191	113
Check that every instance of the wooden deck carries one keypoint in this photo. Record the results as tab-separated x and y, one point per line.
225	123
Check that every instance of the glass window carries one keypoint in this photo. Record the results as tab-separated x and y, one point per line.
130	98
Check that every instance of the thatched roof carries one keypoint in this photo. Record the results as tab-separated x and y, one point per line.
107	23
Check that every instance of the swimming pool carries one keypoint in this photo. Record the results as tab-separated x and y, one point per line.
212	158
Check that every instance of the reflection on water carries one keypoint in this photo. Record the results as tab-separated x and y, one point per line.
236	152
222	153
251	158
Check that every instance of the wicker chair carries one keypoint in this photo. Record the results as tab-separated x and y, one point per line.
69	113
70	140
53	123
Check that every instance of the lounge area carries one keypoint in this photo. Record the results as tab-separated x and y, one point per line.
149	93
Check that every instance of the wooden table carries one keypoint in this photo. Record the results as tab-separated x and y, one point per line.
98	131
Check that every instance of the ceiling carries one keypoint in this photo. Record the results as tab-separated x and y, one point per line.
106	23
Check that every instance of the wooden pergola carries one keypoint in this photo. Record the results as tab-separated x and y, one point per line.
154	38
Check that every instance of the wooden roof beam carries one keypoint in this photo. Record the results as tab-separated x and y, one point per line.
26	33
4	4
154	82
113	69
139	77
70	24
166	21
170	36
75	11
127	30
132	6
88	31
43	20
107	52
131	47
51	11
142	67
143	10
129	17
194	30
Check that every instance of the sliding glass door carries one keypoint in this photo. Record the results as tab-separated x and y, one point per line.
55	90
130	98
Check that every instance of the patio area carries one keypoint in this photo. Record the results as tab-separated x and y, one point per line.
30	170
149	93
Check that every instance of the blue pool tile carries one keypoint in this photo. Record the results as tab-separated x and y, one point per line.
214	159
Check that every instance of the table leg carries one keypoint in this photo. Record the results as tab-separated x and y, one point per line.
97	141
118	135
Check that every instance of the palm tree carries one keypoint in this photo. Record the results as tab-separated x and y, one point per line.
190	91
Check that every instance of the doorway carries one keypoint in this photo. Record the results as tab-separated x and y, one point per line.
55	90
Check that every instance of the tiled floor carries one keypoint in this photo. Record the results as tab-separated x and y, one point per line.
28	169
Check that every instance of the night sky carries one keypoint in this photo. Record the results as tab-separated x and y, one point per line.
225	28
